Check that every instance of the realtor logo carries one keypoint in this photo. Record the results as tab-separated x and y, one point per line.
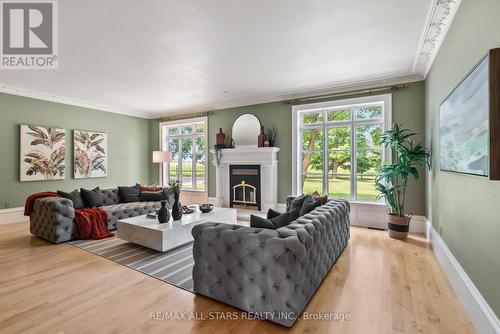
29	34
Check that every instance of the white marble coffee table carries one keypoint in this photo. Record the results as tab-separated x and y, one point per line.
149	233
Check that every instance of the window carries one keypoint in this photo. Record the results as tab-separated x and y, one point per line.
337	147
186	140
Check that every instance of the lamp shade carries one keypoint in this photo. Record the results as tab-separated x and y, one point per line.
162	156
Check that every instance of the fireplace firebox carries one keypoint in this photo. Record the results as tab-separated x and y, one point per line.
244	186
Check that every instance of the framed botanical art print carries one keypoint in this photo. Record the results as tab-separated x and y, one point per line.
90	154
42	152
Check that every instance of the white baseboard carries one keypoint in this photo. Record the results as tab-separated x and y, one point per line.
12	215
480	313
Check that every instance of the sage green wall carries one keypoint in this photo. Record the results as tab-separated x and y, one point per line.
466	209
128	146
407	106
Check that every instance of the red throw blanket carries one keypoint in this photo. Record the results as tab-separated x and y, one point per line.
91	224
30	201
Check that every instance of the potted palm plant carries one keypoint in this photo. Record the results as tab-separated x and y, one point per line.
392	180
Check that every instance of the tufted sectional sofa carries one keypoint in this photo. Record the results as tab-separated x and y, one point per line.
271	273
52	218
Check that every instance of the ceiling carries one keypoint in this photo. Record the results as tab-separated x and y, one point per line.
160	57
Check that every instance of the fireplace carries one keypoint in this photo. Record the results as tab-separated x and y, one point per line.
244	186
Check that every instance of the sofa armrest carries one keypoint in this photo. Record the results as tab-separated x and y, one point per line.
256	270
52	219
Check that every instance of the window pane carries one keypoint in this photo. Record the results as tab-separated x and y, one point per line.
368	136
187	163
200	128
369	112
339	186
312	139
366	188
339	138
173	146
173	131
187	129
312	172
200	163
339	162
309	118
368	161
339	115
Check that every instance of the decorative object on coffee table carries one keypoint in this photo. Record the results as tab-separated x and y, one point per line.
271	135
220	137
392	180
206	208
161	157
261	139
163	213
175	185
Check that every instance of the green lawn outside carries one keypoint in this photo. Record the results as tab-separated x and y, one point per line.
187	172
339	187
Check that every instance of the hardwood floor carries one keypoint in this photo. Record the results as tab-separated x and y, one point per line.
384	285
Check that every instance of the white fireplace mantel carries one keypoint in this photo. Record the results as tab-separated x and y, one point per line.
266	157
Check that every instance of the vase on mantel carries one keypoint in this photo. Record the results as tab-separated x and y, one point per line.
177	208
163	213
220	137
261	139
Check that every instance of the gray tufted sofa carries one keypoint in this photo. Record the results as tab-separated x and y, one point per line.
52	218
272	273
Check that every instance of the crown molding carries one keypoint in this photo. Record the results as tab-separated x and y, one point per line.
8	89
297	94
438	22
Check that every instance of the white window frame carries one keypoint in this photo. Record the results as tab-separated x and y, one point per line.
385	99
164	147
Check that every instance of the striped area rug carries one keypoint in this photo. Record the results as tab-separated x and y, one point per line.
174	267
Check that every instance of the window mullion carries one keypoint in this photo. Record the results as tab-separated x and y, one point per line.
325	157
193	161
353	156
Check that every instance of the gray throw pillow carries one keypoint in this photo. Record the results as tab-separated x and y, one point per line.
74	196
272	213
261	222
92	198
309	206
129	194
281	220
297	202
152	196
294	214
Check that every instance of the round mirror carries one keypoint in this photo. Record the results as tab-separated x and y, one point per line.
245	131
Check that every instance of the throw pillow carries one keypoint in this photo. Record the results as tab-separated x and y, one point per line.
92	198
297	202
148	187
323	199
272	213
294	214
261	222
129	194
281	220
74	196
152	196
309	206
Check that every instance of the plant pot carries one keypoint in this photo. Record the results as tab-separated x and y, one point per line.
398	226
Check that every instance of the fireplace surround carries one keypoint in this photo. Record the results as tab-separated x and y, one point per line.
240	159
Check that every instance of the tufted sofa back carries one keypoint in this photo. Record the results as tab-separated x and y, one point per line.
110	196
273	273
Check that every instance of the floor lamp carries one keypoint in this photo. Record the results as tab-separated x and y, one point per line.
161	157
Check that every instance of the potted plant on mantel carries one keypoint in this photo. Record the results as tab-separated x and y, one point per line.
393	178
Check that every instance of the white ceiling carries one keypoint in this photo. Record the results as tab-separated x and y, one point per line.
157	57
